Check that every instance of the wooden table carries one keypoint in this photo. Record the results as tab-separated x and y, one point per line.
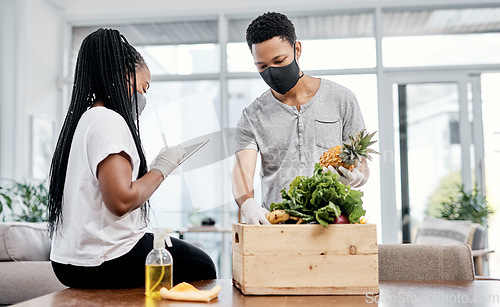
392	293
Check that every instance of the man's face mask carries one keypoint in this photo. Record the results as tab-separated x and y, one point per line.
282	79
140	102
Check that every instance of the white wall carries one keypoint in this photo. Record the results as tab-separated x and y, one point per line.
30	61
8	48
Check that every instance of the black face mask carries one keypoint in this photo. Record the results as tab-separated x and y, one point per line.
282	79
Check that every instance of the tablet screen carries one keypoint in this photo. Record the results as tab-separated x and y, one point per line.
191	149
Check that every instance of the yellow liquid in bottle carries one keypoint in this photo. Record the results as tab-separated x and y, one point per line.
157	277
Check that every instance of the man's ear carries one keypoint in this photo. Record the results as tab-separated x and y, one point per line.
298	49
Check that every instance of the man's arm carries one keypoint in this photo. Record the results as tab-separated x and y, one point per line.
243	175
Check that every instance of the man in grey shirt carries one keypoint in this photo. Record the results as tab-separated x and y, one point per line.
292	123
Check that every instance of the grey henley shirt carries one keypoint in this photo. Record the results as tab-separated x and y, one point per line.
291	142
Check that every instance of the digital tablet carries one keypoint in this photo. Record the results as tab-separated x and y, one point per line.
191	149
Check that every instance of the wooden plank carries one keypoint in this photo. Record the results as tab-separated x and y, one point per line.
238	269
339	271
305	239
305	259
236	241
309	291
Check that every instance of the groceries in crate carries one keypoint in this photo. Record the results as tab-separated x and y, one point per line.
321	198
278	216
347	154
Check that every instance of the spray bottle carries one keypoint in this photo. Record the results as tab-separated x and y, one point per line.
159	264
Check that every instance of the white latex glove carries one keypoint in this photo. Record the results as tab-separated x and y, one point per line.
353	178
168	159
253	213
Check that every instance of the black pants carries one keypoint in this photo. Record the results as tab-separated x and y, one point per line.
128	271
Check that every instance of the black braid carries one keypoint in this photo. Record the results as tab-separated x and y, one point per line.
105	66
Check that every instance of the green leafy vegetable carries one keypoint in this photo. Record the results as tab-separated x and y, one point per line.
320	199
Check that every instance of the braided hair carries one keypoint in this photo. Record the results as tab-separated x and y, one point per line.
105	68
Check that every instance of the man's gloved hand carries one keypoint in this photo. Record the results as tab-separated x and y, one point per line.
168	159
353	178
253	213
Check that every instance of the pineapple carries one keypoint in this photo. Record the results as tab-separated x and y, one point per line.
348	153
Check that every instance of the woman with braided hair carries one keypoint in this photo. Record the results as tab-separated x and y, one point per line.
99	180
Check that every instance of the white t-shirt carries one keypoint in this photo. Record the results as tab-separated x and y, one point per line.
90	234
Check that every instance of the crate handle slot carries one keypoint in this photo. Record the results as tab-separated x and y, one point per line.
236	238
352	250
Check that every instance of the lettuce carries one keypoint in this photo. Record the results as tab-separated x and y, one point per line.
320	199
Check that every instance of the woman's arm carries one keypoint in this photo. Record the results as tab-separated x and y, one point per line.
119	193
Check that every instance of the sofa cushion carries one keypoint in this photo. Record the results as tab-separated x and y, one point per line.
24	280
22	241
438	231
425	262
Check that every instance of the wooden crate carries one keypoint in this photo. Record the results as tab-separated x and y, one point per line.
305	259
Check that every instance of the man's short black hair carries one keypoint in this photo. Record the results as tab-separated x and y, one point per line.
269	25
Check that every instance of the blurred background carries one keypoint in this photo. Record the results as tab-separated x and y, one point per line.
426	76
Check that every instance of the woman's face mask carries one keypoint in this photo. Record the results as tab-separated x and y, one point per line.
143	79
138	104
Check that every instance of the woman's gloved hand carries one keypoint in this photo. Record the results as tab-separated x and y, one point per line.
168	159
253	213
353	178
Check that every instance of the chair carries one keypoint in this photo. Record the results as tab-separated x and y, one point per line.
425	262
438	231
477	241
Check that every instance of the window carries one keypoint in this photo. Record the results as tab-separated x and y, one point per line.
185	104
330	41
441	37
184	112
491	107
192	97
365	89
182	59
